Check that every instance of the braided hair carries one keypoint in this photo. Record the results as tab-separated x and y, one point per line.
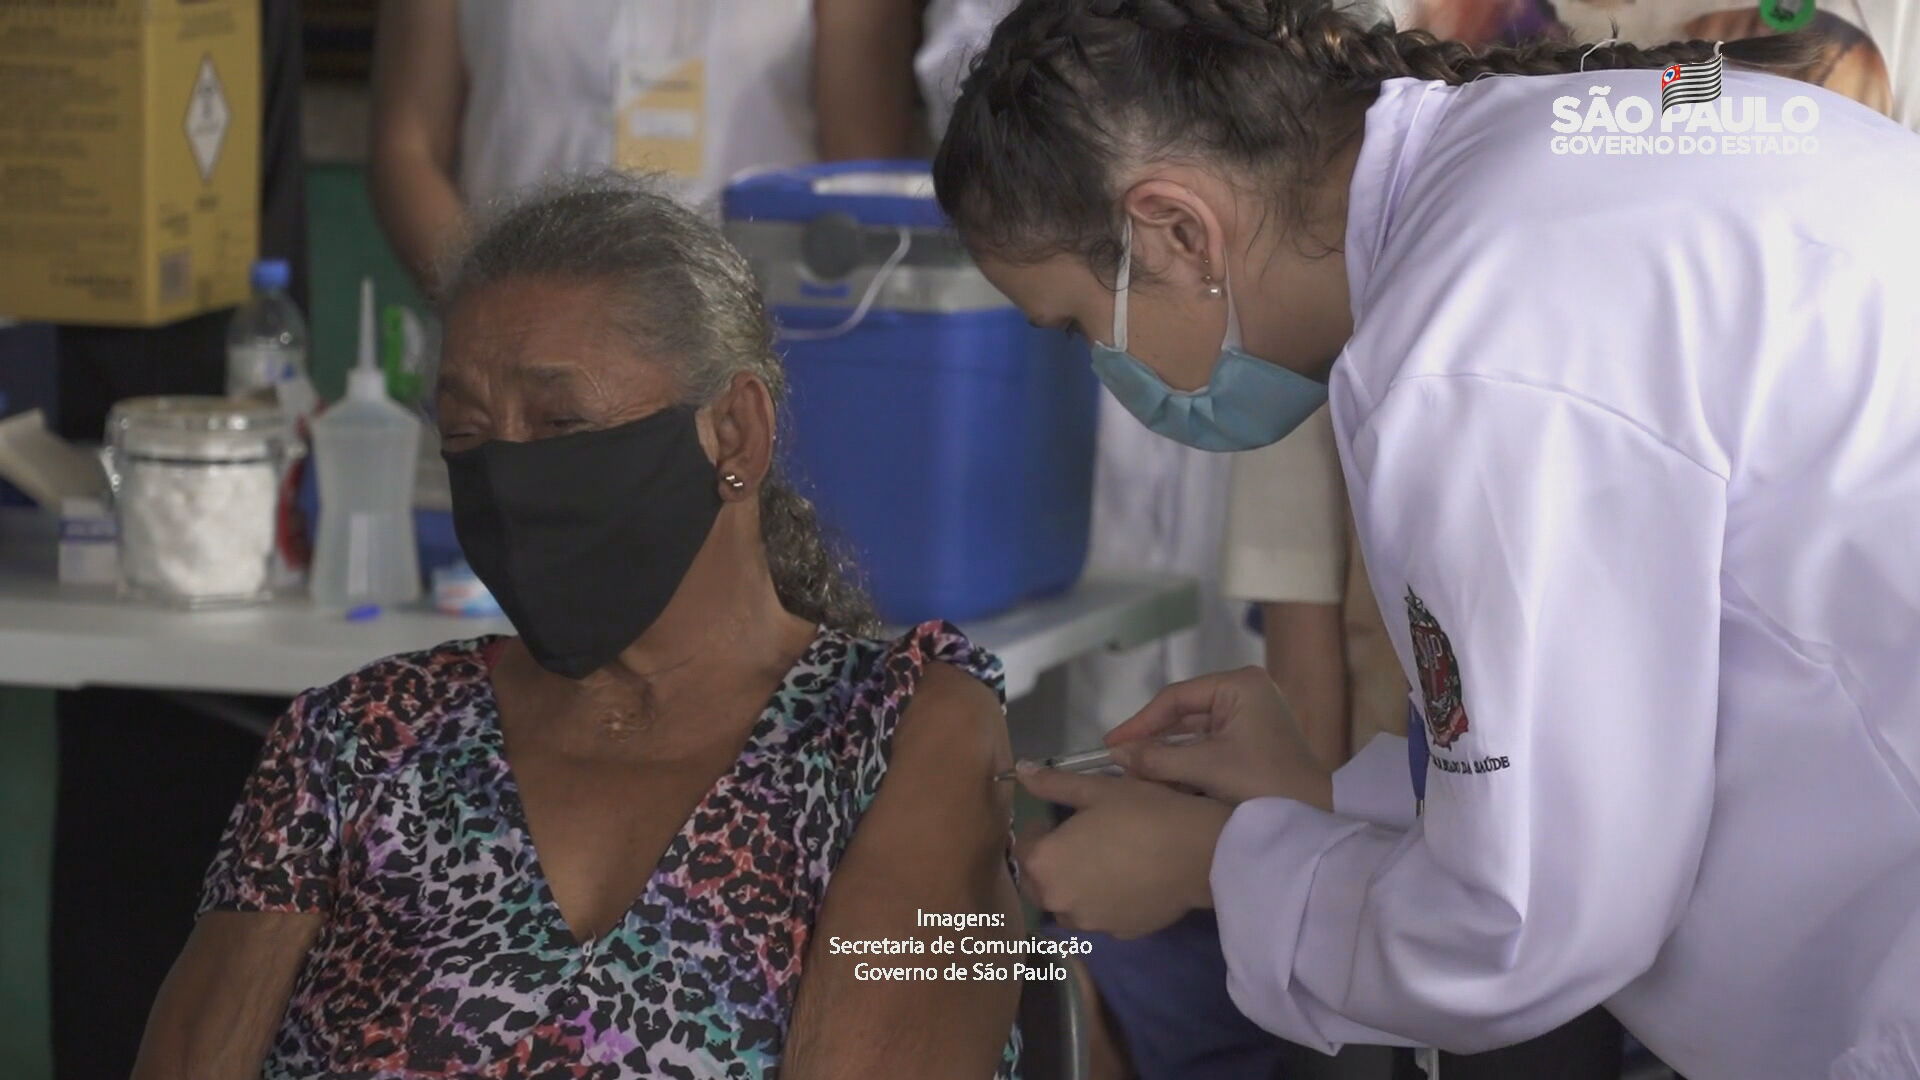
1068	93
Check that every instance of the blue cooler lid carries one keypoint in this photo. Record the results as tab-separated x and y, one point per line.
898	193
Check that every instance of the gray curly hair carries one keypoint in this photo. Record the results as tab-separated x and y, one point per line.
685	293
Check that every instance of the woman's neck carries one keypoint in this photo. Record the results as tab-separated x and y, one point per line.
724	634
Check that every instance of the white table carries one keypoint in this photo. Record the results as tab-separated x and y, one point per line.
61	637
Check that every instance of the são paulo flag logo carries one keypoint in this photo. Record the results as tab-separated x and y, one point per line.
1691	84
1692	115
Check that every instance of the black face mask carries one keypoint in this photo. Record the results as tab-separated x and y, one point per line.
583	539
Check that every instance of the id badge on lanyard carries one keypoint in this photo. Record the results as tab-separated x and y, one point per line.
660	87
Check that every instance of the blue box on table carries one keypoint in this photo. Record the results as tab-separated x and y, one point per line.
948	442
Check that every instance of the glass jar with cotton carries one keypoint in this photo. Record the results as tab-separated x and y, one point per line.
197	490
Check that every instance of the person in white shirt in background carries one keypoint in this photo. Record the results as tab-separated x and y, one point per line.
474	99
1289	548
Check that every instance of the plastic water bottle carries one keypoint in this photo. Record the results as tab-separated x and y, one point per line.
267	362
365	447
267	339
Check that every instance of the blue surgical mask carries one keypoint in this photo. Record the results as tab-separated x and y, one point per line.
1246	403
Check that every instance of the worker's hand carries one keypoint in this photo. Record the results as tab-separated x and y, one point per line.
1132	859
1252	748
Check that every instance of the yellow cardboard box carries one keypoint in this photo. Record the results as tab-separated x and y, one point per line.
129	158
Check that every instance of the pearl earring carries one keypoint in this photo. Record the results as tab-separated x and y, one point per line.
1213	288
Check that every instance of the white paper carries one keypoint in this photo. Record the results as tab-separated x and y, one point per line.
45	466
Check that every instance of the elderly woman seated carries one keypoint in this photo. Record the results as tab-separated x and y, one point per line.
620	843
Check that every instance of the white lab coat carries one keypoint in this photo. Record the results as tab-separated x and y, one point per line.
1642	434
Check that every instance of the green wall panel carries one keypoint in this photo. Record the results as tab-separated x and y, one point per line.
345	245
27	763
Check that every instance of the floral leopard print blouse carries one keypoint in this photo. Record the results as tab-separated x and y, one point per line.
384	800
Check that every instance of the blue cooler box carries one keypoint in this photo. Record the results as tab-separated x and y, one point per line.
945	440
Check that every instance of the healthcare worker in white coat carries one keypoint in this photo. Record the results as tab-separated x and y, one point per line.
1632	436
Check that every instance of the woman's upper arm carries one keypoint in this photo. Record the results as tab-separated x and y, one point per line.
265	897
280	850
863	77
419	82
224	998
934	840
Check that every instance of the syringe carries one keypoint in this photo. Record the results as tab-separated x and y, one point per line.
1093	760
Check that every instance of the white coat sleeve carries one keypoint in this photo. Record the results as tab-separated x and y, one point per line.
1569	563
